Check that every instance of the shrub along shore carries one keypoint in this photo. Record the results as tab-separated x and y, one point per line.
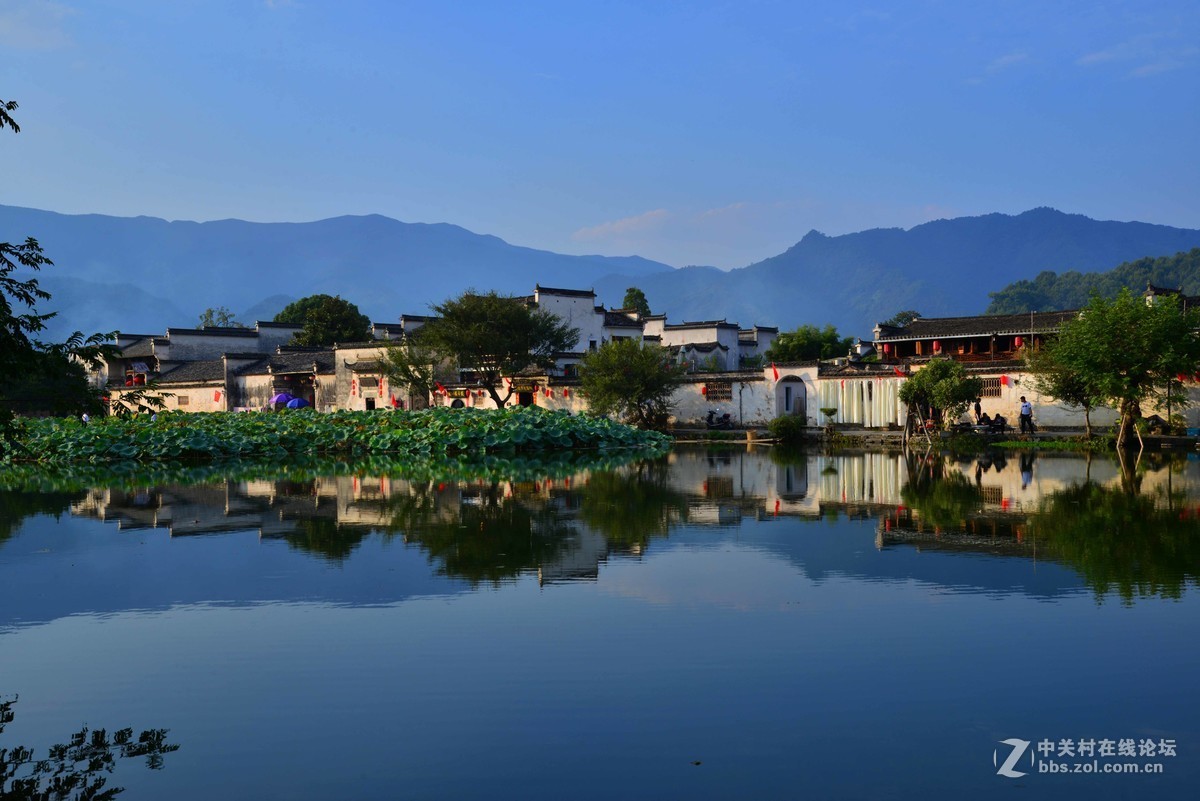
229	435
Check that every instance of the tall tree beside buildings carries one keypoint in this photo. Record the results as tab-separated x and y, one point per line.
495	336
1129	353
326	320
635	299
940	391
414	364
807	343
39	377
1053	375
632	381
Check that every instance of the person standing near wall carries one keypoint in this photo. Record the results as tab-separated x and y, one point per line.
1026	416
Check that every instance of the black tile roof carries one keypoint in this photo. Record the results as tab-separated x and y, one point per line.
981	325
703	347
192	372
142	347
701	324
320	361
619	319
570	293
210	332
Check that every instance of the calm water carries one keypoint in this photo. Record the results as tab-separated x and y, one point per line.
711	625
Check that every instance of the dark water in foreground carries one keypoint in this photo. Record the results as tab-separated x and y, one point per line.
711	625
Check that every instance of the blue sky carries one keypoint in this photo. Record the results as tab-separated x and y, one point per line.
689	132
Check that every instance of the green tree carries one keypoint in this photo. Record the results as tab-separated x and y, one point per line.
632	381
1128	352
495	336
1053	375
220	317
807	343
24	358
901	318
5	119
635	299
941	390
326	320
413	363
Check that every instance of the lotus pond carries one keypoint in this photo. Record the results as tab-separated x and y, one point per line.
222	435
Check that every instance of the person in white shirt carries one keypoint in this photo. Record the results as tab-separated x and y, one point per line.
1026	416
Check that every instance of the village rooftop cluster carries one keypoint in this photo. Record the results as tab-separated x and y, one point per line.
242	369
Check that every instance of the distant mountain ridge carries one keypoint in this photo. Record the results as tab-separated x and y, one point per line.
942	268
142	274
147	273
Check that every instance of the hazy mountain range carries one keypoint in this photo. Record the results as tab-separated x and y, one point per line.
143	274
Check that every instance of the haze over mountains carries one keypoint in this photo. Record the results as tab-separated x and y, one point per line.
144	274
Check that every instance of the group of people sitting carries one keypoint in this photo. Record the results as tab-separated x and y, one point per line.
999	423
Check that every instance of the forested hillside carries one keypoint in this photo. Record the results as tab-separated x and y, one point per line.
1051	291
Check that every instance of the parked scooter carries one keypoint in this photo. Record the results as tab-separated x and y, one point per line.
717	420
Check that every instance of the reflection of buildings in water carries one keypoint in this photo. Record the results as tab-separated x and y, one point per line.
699	489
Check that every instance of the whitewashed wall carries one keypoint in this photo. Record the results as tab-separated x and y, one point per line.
577	312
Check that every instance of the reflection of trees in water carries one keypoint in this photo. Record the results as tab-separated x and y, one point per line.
78	768
16	506
1136	544
631	505
491	539
1118	539
324	537
942	498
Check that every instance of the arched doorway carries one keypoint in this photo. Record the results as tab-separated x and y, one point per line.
791	397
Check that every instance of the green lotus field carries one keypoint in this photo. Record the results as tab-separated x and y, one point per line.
228	435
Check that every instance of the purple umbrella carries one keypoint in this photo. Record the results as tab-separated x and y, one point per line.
297	403
282	397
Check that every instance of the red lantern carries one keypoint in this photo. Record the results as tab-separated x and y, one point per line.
704	389
566	392
1004	380
937	346
887	348
1019	341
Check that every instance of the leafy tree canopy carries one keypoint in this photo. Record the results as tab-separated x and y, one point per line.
5	118
636	299
220	317
632	381
1126	352
902	318
809	342
38	376
414	364
326	320
1053	375
495	336
1071	290
940	390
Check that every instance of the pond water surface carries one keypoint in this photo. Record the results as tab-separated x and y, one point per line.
712	624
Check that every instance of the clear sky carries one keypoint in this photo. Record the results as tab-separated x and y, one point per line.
689	132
